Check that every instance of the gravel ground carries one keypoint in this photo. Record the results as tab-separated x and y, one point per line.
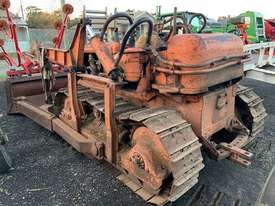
48	172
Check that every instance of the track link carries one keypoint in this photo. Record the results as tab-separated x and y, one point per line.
176	136
180	142
251	109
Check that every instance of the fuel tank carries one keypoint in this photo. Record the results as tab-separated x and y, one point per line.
193	63
200	48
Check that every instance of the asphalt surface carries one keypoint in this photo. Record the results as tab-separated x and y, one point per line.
48	172
268	197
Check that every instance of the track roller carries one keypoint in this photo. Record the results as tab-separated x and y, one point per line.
164	157
159	152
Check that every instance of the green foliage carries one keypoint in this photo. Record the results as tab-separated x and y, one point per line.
36	18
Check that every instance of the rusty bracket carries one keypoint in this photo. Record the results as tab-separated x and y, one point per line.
237	154
108	88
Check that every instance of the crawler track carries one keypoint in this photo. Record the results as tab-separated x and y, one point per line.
179	141
251	110
174	133
38	155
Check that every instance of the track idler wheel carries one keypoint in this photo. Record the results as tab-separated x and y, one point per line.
146	162
5	4
68	9
3	25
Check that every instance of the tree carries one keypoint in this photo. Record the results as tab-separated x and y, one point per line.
36	18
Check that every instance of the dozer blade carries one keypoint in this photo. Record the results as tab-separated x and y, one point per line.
25	87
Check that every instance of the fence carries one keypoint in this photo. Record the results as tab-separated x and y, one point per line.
45	36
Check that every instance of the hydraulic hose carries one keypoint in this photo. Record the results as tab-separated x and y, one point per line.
113	17
130	31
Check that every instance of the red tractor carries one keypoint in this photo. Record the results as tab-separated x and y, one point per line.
270	29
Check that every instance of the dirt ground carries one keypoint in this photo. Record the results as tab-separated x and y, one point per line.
48	172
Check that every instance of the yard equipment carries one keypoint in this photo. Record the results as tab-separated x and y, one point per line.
28	64
252	23
242	24
9	28
256	29
149	110
270	29
188	22
61	26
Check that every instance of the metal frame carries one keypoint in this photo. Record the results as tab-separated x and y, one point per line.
72	59
263	49
262	66
108	88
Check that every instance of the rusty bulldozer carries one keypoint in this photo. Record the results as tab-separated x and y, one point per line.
148	110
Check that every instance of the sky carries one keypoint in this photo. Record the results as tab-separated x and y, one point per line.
211	8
